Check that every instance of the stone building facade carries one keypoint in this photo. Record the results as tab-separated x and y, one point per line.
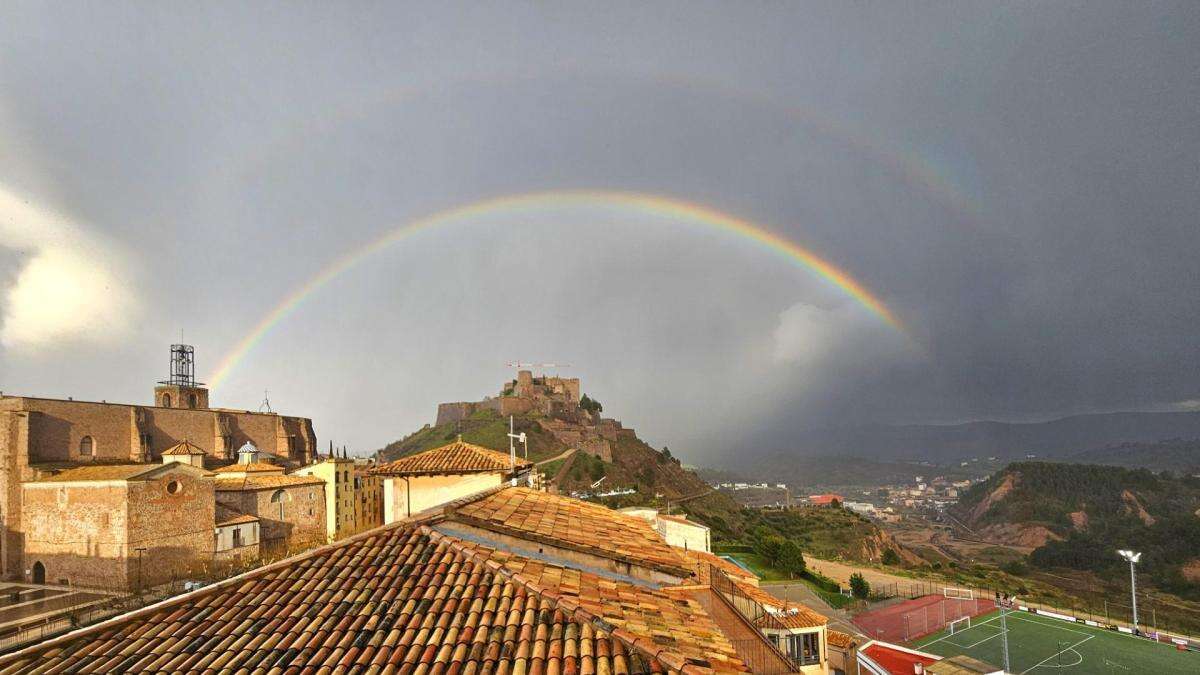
40	437
85	526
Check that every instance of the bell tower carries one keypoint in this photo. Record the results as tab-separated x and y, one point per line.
180	389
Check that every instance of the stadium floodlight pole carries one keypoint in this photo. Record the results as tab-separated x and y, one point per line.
1004	634
1133	558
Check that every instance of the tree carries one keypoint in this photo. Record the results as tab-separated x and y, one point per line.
770	549
859	586
590	404
835	503
791	557
890	557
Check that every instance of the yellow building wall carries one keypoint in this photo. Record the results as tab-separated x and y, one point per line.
404	496
338	475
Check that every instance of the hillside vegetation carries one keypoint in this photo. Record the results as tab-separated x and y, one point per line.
659	480
1087	512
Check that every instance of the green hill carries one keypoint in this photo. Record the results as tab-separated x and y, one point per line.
656	477
1087	512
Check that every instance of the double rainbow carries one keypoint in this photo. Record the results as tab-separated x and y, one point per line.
660	206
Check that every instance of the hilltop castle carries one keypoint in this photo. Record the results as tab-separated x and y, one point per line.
557	401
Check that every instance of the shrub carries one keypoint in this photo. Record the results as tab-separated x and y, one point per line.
890	557
859	586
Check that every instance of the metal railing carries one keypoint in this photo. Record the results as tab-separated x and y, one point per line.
761	650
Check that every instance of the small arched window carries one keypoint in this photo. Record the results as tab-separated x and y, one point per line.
192	401
86	447
166	402
279	497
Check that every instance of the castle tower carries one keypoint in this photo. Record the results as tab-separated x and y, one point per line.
181	390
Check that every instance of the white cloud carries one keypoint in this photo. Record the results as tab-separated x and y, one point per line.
70	285
1190	405
841	336
806	334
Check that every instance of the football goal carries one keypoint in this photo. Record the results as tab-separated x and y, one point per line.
960	624
958	593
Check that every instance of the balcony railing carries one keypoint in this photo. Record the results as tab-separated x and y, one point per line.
763	649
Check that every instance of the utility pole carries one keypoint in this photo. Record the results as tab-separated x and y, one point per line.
140	550
512	450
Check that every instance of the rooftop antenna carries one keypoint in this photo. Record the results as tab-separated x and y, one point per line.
266	405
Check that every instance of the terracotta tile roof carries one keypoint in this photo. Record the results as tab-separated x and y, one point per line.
263	482
701	560
185	449
840	639
574	524
101	472
399	599
251	467
226	516
682	520
657	622
457	457
791	614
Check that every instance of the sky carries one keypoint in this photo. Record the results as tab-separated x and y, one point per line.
323	200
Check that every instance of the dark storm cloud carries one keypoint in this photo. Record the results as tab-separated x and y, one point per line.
1019	184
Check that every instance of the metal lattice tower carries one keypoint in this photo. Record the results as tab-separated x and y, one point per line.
183	367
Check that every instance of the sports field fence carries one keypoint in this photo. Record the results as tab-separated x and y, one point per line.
1154	615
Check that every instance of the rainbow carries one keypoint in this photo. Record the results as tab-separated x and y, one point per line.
657	205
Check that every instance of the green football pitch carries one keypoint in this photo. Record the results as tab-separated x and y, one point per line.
1039	644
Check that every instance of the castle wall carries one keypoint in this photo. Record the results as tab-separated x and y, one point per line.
596	447
513	406
449	413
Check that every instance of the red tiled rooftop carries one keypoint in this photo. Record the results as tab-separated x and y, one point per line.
263	481
251	467
184	449
101	472
226	516
702	559
574	524
400	599
455	458
840	639
895	659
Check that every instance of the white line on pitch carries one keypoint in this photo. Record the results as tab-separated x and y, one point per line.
1058	652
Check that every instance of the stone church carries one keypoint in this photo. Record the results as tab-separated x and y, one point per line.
44	443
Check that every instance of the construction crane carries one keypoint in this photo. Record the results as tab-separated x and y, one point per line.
522	364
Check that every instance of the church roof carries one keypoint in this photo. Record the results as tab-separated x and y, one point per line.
455	458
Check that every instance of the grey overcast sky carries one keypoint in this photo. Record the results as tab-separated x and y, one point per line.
1018	183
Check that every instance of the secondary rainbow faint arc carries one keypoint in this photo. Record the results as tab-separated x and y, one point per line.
654	204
